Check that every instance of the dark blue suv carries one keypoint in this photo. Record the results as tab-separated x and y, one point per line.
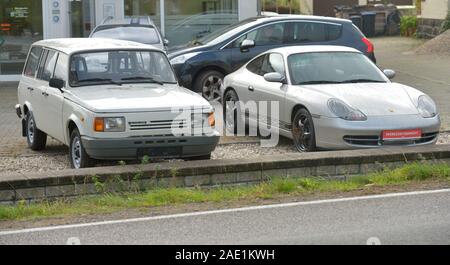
202	64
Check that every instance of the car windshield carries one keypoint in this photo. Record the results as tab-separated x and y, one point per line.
141	34
333	68
120	67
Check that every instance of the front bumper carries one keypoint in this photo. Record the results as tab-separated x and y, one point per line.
154	147
335	133
184	78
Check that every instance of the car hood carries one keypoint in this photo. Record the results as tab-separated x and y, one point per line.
373	99
181	50
136	98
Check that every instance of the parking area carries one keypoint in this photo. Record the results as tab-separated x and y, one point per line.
427	73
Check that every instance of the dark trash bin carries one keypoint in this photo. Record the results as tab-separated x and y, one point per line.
368	19
357	20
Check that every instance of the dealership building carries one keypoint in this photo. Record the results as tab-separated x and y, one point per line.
23	22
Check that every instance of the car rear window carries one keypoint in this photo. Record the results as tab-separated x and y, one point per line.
146	35
304	32
32	62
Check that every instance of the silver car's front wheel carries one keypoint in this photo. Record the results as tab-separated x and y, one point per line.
231	111
303	131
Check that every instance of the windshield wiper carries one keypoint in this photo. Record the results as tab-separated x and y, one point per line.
109	81
318	82
363	81
143	79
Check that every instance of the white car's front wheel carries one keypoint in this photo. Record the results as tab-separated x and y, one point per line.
78	156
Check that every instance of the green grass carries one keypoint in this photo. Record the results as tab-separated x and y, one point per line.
277	187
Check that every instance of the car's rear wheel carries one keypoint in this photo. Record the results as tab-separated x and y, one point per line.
303	131
231	111
36	138
78	156
208	83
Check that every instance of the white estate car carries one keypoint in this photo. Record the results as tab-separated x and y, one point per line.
111	99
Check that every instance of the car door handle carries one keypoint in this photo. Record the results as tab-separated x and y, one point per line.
250	88
45	94
30	89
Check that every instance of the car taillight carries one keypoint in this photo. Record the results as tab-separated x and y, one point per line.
369	45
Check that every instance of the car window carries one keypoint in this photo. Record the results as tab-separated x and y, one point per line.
122	67
304	32
32	62
272	63
49	66
255	65
265	36
61	67
147	35
332	67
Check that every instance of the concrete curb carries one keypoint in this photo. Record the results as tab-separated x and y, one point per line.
69	183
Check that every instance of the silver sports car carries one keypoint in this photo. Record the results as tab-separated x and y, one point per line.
330	97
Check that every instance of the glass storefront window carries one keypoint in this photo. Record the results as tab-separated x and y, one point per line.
20	26
282	6
143	8
190	20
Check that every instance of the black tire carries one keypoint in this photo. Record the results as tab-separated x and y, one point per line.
197	158
208	83
231	111
303	132
36	138
77	154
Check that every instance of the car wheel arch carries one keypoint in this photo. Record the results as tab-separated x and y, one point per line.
297	108
210	68
72	124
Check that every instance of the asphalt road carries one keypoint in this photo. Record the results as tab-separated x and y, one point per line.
409	218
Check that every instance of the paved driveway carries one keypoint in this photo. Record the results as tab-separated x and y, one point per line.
430	74
11	141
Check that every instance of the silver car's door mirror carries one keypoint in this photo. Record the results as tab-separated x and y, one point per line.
166	42
246	45
389	73
274	77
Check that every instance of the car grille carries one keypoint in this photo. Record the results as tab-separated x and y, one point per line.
157	125
373	140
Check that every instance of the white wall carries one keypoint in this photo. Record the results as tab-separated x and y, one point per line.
56	25
105	8
247	8
435	9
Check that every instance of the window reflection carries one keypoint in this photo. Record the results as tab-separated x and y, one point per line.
20	26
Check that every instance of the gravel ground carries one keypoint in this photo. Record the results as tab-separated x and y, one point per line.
437	46
59	161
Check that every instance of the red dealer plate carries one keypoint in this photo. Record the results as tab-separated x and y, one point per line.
402	134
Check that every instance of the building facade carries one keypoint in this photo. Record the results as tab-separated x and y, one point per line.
23	22
432	16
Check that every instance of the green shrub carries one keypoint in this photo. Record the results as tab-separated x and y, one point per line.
408	25
446	25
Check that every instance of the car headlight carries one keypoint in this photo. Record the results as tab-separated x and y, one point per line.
109	124
183	58
427	107
344	111
203	120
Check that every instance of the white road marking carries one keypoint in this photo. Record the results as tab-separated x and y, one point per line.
253	208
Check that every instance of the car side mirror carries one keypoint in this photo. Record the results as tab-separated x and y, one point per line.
166	42
57	83
389	73
274	77
246	45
